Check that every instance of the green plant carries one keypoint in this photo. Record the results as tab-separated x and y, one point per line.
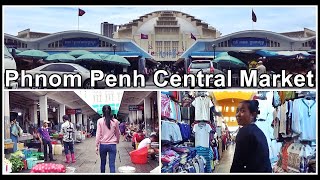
17	164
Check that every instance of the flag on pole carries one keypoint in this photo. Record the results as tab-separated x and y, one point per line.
81	12
144	36
254	17
193	37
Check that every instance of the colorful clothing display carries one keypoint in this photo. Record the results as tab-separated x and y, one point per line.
202	108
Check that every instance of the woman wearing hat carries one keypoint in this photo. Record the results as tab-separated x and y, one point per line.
43	133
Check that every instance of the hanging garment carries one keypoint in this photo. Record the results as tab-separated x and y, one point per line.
165	106
185	131
170	131
276	99
283	118
202	108
304	119
202	131
204	152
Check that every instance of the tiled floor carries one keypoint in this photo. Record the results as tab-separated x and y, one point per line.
226	160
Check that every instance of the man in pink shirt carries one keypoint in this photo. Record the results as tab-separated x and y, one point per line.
107	138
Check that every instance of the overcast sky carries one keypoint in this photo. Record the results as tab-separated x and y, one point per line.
226	19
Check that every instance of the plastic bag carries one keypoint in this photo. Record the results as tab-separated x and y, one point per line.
48	168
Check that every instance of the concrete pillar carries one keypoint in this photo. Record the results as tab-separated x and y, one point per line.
6	107
33	110
73	119
62	111
147	114
79	118
85	122
43	108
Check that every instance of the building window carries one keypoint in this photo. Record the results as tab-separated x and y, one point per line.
60	43
229	43
175	46
271	43
221	44
167	47
158	47
268	43
56	44
278	44
225	44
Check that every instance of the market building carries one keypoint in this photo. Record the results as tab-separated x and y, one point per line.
166	34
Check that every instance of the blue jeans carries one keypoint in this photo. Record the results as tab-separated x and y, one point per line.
104	150
15	141
68	146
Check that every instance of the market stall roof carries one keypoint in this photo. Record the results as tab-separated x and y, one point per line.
132	98
69	98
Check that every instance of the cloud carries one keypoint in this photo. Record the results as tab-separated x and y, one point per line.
226	19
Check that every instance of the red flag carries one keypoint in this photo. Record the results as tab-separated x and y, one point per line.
193	37
254	17
144	36
81	12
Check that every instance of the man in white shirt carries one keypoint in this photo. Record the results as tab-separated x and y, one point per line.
147	143
68	130
261	68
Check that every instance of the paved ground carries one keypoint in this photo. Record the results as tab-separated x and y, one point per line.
89	162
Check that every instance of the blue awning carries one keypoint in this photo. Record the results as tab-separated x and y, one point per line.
207	54
265	53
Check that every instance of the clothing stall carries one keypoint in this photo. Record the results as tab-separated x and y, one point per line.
288	120
188	133
193	137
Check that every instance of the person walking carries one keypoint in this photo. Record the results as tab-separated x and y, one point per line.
68	130
107	138
252	151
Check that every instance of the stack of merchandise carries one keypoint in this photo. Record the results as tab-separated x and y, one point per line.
48	168
182	160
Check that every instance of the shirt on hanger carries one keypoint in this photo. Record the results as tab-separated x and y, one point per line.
304	119
202	108
202	134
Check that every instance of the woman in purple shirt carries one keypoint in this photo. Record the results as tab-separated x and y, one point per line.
43	133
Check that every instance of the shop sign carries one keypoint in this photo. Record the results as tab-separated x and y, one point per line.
70	111
166	54
11	45
135	107
78	111
81	42
248	42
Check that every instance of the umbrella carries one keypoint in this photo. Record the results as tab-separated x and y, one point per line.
17	51
78	53
229	61
116	59
60	57
34	54
90	57
103	56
